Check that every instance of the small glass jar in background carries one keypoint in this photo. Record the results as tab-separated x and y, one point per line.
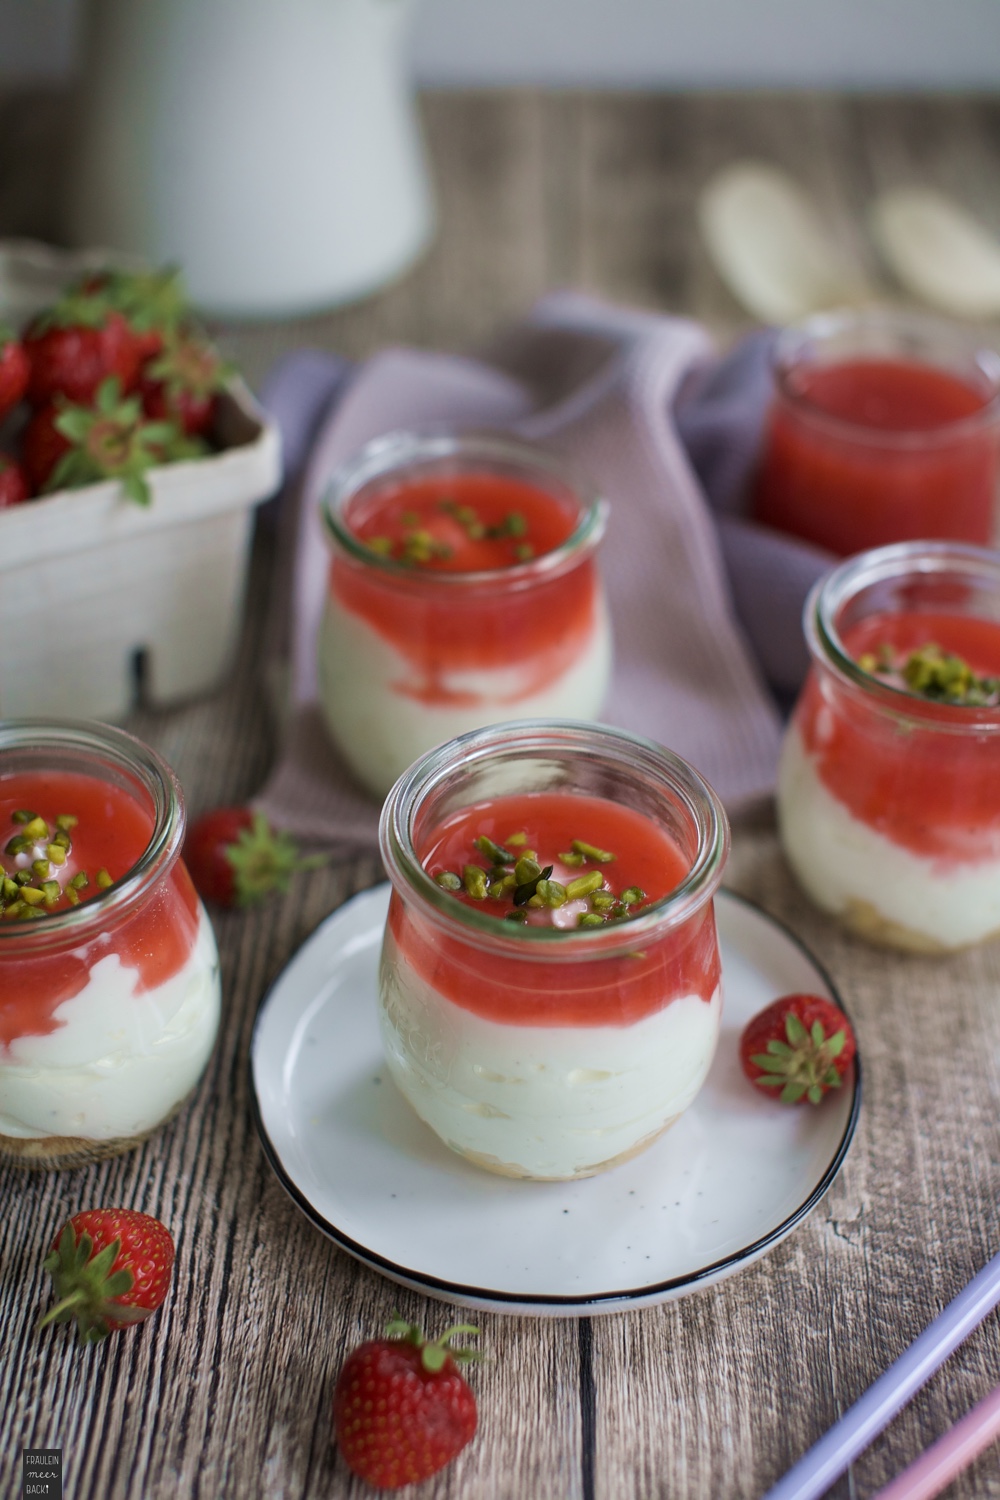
889	783
463	590
557	1045
884	427
109	975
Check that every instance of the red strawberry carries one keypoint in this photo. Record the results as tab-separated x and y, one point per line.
42	446
401	1408
111	1267
798	1047
183	382
14	371
235	857
153	302
14	486
75	346
110	440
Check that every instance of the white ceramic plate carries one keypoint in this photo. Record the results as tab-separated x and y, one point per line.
731	1179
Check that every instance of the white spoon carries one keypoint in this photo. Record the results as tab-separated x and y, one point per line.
938	251
770	246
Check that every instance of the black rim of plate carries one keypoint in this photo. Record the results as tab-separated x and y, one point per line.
500	1301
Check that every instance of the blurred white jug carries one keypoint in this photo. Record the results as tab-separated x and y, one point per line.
268	147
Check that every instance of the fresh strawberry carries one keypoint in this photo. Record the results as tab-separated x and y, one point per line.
76	345
42	446
110	440
111	1268
183	383
14	371
154	303
799	1047
236	858
14	484
401	1408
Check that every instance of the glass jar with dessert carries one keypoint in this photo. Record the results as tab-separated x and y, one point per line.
109	975
884	427
550	988
889	783
463	590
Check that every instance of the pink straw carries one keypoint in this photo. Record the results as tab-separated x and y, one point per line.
949	1455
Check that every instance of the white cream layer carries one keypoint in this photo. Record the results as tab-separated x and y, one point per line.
118	1062
544	1101
840	861
381	731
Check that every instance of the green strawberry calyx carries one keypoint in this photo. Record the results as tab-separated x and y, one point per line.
114	440
803	1066
433	1354
264	859
87	1288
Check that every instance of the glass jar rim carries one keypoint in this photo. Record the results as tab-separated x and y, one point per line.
820	327
527	738
97	741
402	448
926	559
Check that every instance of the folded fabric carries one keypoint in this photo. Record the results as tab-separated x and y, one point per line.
703	603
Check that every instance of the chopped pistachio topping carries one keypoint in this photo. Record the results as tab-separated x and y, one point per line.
40	867
522	879
56	853
36	828
103	879
66	821
931	673
23	816
41	852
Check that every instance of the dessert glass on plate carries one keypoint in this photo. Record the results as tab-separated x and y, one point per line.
463	591
550	987
889	783
109	975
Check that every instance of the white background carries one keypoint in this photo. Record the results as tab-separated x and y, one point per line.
632	43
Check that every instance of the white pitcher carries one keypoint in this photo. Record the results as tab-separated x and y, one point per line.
269	147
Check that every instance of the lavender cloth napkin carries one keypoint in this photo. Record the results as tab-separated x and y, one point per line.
705	606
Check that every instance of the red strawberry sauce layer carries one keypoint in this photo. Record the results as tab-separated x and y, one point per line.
936	794
112	833
542	990
449	629
845	494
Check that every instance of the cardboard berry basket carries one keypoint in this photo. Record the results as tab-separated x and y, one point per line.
92	584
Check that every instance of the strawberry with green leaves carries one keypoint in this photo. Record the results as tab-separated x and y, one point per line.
798	1048
154	303
236	858
70	445
111	1268
402	1408
183	382
75	346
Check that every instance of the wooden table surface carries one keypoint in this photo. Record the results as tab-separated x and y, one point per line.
227	1392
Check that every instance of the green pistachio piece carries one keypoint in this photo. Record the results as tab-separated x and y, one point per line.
56	853
634	894
590	919
32	895
474	880
518	840
36	828
19	844
591	851
66	821
23	815
51	892
583	885
448	880
494	852
40	868
103	879
80	880
551	892
527	868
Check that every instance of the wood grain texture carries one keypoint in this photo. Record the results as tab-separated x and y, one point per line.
227	1392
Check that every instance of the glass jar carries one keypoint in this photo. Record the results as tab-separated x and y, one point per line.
109	1006
557	1046
487	606
884	427
889	801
